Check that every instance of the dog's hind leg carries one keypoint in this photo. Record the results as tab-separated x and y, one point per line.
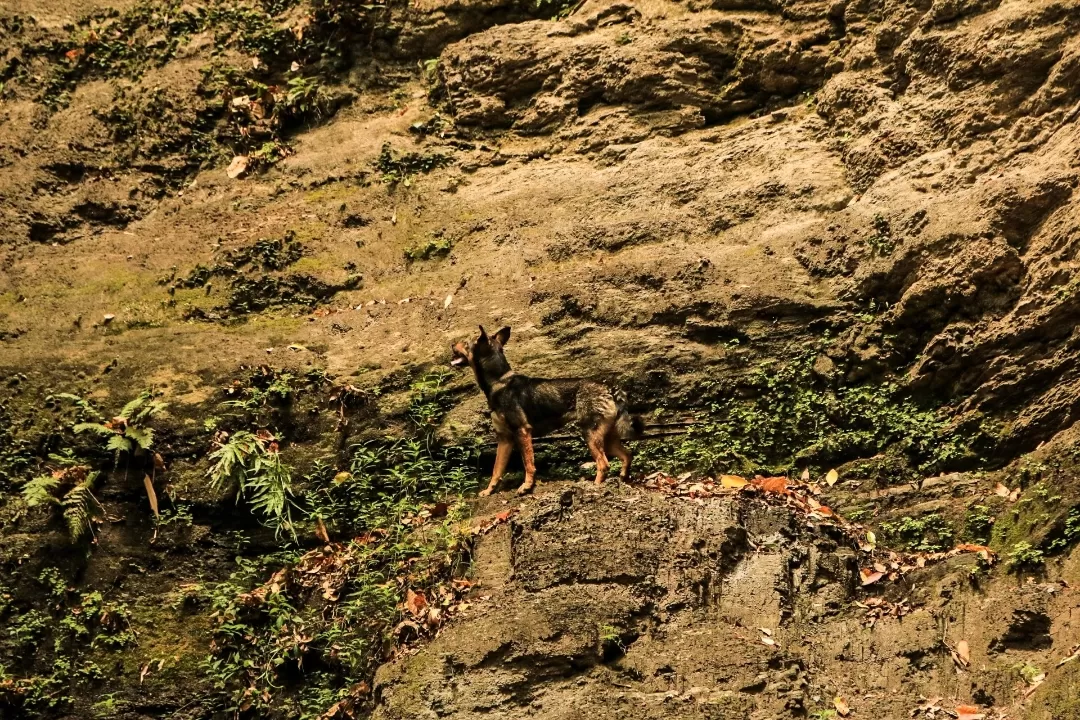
595	440
614	446
502	458
525	443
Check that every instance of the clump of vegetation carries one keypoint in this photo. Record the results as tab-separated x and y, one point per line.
927	533
249	465
882	241
331	615
1025	556
978	524
394	169
69	490
1070	532
52	646
431	248
791	420
69	486
128	433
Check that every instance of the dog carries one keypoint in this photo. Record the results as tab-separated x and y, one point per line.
523	408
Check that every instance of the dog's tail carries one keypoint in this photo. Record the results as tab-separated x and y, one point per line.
629	427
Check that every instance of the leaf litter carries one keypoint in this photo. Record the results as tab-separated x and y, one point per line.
801	496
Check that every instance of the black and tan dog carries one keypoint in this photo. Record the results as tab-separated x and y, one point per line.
525	407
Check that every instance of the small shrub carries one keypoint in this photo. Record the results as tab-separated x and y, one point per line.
1024	555
432	248
929	533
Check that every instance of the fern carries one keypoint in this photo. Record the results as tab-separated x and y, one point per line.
119	443
93	427
81	508
40	491
143	437
142	407
250	465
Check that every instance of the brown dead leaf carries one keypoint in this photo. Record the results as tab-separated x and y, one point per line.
841	706
964	651
776	485
1015	495
870	576
151	495
237	167
969	712
1001	490
1073	655
320	531
831	477
415	602
805	475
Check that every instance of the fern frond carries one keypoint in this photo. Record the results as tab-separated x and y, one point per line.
81	508
41	491
151	409
119	443
232	460
83	405
270	490
93	427
144	437
132	407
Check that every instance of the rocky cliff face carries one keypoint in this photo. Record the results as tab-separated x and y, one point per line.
839	234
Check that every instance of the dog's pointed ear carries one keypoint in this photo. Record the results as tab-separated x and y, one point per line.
483	335
503	335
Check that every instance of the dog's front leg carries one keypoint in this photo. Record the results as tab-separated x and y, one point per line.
502	458
525	443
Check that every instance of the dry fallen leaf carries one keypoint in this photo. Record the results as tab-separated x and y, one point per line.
446	303
806	475
733	481
831	477
964	651
969	712
151	495
320	531
237	167
869	577
772	484
1001	490
841	706
415	602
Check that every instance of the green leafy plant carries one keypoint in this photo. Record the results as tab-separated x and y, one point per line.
70	490
978	524
250	465
431	248
394	169
928	533
129	431
1070	532
792	420
1023	555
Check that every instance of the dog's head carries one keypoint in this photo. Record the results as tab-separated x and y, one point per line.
473	353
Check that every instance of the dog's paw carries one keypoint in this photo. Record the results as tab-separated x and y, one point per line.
524	490
485	492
